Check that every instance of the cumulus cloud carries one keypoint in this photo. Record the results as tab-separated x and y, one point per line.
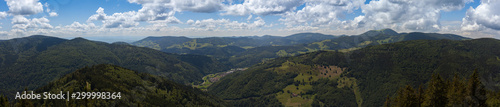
53	14
204	6
155	11
420	15
124	20
486	15
3	15
211	24
24	7
321	12
262	7
22	23
79	26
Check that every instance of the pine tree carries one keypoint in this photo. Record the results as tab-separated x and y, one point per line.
476	93
436	93
456	92
407	97
420	95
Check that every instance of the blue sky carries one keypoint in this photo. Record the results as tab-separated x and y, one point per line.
204	18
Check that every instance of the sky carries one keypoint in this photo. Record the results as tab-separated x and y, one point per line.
121	19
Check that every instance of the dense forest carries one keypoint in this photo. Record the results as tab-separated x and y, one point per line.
369	73
247	51
137	89
457	92
34	61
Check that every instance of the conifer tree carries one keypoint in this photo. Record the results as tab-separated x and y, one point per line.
407	98
456	92
476	93
420	95
435	93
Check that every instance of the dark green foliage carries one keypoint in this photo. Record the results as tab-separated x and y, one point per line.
449	94
436	93
136	89
386	67
455	92
24	102
4	101
382	69
263	101
251	83
233	53
329	95
475	92
34	61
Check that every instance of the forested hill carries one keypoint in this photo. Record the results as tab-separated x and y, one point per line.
361	77
168	42
136	89
33	61
247	51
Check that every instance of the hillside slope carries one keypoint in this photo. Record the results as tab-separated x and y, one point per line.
368	74
135	89
247	51
34	61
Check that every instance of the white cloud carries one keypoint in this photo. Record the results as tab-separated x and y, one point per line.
486	15
24	7
203	6
3	15
53	14
99	16
262	7
22	23
321	12
124	20
155	11
419	15
79	26
19	20
211	24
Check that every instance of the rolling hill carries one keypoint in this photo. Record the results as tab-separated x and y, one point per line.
33	61
364	76
247	51
136	89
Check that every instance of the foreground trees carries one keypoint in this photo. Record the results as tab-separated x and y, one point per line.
440	93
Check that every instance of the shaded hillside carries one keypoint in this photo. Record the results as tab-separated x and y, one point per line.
369	74
247	51
34	61
135	89
343	44
223	48
171	43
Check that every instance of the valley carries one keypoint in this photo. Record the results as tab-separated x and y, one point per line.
211	78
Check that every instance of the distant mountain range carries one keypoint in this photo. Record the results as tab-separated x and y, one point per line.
247	51
33	61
